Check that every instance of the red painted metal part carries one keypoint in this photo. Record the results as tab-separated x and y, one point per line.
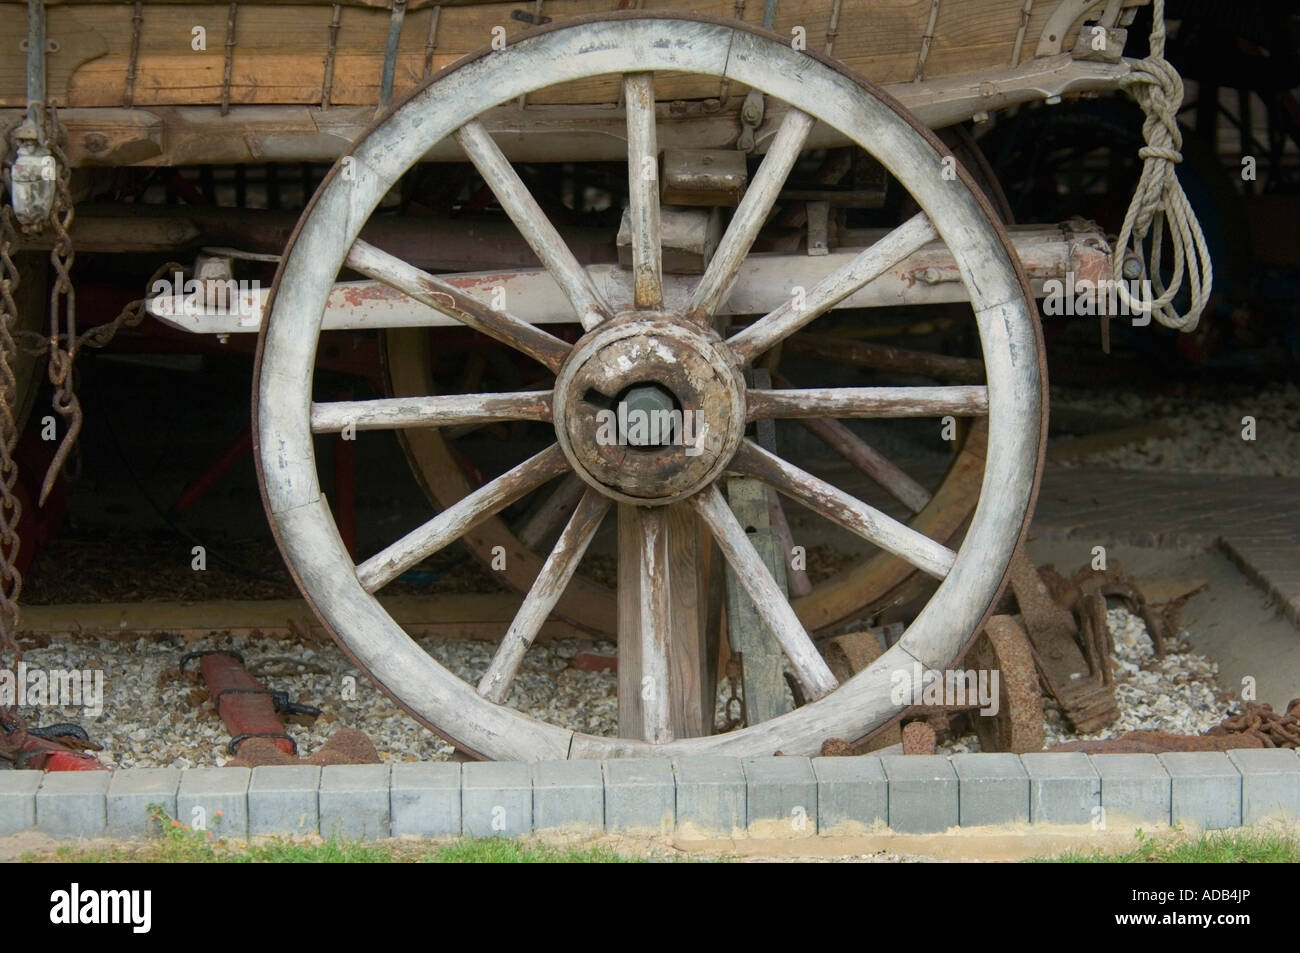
243	703
242	447
41	754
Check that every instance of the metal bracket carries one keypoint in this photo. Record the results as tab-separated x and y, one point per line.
34	171
751	116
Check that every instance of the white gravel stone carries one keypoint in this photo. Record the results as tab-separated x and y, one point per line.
150	720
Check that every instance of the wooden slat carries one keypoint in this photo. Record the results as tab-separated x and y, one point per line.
280	56
449	525
440	410
453	615
768	600
851	513
762	661
851	402
545	592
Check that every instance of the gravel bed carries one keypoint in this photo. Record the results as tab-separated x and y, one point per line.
152	716
1207	430
1177	692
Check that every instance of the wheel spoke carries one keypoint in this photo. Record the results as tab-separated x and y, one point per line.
810	668
796	580
443	410
865	457
455	520
532	223
886	357
545	592
965	400
834	288
750	215
643	189
870	461
819	496
553	512
451	301
655	613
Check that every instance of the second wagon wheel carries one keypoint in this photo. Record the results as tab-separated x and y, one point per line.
641	340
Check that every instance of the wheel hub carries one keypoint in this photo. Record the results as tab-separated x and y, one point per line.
649	409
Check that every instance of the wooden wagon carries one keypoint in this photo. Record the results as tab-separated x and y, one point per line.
704	109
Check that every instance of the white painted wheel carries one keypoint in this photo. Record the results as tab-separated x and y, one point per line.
623	338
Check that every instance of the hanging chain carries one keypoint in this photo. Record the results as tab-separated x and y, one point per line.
11	580
63	306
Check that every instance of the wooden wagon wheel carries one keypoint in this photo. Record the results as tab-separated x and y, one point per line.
646	343
858	591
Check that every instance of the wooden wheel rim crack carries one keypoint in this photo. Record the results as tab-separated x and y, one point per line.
606	45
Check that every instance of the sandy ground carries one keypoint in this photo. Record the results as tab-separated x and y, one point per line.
992	844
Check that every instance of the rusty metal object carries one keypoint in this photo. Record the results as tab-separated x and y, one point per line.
1157	742
919	737
1018	725
1086	592
1259	721
851	652
1077	676
1255	726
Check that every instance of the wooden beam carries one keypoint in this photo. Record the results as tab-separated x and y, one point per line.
478	616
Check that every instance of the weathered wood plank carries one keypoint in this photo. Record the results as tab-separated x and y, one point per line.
279	57
453	615
762	661
449	525
545	592
849	402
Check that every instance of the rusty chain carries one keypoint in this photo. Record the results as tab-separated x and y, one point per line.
62	346
63	326
1273	729
11	580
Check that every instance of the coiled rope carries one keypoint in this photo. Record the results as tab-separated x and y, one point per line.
1159	201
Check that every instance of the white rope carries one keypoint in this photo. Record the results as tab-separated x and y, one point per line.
1159	201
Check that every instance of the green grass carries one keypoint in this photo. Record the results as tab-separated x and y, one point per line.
177	843
1213	847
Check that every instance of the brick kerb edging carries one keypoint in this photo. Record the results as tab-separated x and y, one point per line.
697	797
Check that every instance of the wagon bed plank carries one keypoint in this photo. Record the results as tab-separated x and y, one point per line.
279	57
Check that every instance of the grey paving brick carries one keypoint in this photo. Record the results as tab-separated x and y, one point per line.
568	795
73	804
922	793
354	801
496	798
1064	788
1206	789
640	795
710	795
284	799
1270	783
18	800
781	796
424	799
1135	788
216	799
130	795
852	794
991	789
